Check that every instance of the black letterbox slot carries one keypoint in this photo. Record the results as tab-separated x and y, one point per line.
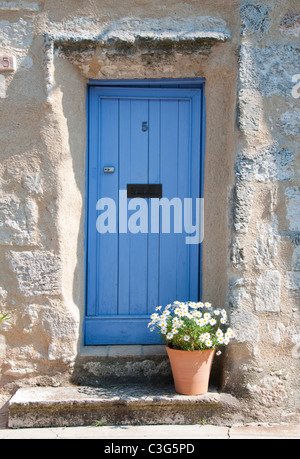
144	190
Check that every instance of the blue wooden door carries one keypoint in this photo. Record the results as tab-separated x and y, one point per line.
134	261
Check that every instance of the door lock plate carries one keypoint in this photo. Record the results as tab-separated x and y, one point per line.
108	169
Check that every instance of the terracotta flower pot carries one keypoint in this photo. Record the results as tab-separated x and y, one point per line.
191	370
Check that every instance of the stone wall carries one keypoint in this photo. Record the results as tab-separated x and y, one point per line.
248	51
263	286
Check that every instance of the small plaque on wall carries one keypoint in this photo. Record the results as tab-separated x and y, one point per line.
7	63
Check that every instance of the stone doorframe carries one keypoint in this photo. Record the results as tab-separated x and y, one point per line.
141	49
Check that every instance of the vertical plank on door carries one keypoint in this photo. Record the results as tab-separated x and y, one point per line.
124	179
184	171
195	192
93	196
139	174
108	245
154	177
169	179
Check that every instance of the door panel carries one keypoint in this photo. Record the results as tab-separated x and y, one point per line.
148	136
108	187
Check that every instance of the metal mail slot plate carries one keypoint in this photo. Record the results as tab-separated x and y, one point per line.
144	190
109	169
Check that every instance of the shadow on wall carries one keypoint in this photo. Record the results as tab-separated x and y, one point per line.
69	96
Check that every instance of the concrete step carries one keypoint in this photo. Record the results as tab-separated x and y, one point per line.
142	364
132	404
171	432
109	365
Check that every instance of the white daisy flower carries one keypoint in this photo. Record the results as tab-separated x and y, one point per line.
186	338
154	316
197	314
230	333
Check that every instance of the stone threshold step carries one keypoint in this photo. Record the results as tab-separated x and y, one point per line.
118	405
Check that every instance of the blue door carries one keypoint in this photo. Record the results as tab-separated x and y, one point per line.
144	151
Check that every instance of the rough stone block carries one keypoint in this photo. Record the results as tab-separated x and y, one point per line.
249	109
296	259
290	122
18	221
268	289
292	282
58	325
238	296
3	294
37	273
237	255
243	197
290	24
124	405
133	29
16	35
265	247
254	19
270	164
268	69
292	195
20	5
246	327
270	391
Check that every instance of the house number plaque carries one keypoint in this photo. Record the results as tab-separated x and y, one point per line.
7	63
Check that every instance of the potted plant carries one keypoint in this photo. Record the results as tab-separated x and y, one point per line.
193	333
